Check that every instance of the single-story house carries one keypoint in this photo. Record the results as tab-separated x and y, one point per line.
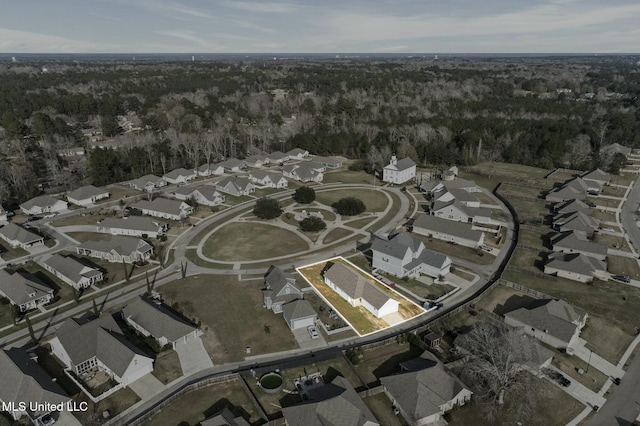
71	271
573	189
442	229
576	221
138	226
233	165
17	236
268	179
552	321
257	160
306	171
577	242
25	381
24	290
608	151
118	249
236	186
424	390
598	177
456	211
180	176
86	346
87	195
164	208
405	256
278	157
298	154
147	183
151	318
329	162
279	288
357	290
464	197
43	204
572	206
299	314
331	404
432	186
224	418
399	172
575	266
205	195
210	169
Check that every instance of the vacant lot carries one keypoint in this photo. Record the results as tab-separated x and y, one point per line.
348	176
251	241
489	175
196	406
533	238
376	201
233	311
605	216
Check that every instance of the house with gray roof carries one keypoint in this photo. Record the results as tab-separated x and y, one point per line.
180	176
278	157
24	290
147	183
25	381
573	189
164	208
73	272
17	236
87	195
399	171
205	195
455	210
233	165
575	266
464	197
117	249
423	391
3	215
597	177
577	242
299	314
306	171
332	404
433	186
139	226
236	186
280	288
297	154
99	345
43	204
151	318
607	152
353	287
268	179
224	418
209	169
404	256
551	321
572	206
446	230
577	221
256	161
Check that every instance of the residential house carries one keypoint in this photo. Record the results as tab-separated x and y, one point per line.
576	221
151	318
572	206
73	272
86	346
180	176
117	249
577	242
24	290
551	321
329	162
597	178
298	154
233	165
607	152
164	208
357	290
278	157
399	172
442	229
575	266
256	161
205	195
3	215
299	314
236	186
147	183
433	186
306	171
280	289
573	189
208	169
17	236
224	418
464	197
43	204
423	391
87	195
332	404
405	256
268	179
25	381
139	226
456	211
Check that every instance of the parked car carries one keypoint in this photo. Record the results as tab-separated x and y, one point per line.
34	218
486	248
50	215
621	278
590	204
313	332
617	380
608	229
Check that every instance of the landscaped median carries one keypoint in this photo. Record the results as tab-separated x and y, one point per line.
358	317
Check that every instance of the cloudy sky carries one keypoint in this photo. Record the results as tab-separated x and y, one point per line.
332	26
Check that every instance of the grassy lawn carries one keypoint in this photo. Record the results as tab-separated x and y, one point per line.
251	241
455	250
322	310
360	223
502	299
265	192
613	191
463	273
233	311
376	201
606	340
114	272
115	403
196	406
6	316
623	179
428	291
611	241
91	218
233	200
529	259
9	253
89	236
348	176
531	212
485	198
326	214
395	208
380	406
336	234
117	192
62	291
533	238
167	368
384	361
604	215
488	175
619	265
592	378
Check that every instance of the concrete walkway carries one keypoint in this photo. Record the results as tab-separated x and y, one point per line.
147	386
578	391
193	356
595	360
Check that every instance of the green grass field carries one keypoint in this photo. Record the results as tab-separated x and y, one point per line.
376	201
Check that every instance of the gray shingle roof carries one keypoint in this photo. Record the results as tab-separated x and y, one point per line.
615	148
240	183
14	232
296	151
230	163
22	287
572	240
571	206
224	418
404	164
120	244
157	320
41	201
71	268
575	262
469	211
163	205
577	221
138	223
175	174
145	180
597	175
298	309
85	192
355	285
261	174
556	317
437	224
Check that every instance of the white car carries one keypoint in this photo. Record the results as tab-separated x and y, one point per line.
313	332
486	248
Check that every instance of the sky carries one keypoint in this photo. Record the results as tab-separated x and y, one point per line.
320	26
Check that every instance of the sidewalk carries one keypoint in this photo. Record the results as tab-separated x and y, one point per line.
579	391
595	360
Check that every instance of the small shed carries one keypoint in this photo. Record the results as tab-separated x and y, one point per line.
433	339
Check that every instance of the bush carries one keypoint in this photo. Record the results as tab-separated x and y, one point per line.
349	206
358	166
267	208
312	224
304	195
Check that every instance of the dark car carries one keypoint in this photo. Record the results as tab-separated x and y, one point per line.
621	278
34	218
590	203
617	381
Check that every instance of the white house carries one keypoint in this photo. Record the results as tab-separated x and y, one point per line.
138	226
357	290
329	162
447	230
236	186
399	172
164	208
257	160
299	314
268	179
456	211
76	274
180	176
17	236
307	171
87	195
43	204
205	195
118	249
24	290
210	169
147	183
278	157
233	165
298	154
